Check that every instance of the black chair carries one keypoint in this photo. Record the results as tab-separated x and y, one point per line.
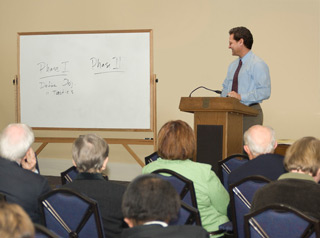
187	216
150	158
183	186
189	213
241	195
228	164
68	175
281	221
71	214
43	232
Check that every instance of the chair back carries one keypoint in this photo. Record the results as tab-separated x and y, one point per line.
43	232
150	158
69	175
281	221
183	185
229	164
71	214
187	216
241	196
185	189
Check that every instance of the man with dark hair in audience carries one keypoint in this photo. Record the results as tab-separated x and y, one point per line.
260	143
90	156
148	205
19	180
299	188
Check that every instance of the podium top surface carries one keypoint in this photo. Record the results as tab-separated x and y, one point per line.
215	104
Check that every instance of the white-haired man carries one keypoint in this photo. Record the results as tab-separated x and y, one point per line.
18	180
260	143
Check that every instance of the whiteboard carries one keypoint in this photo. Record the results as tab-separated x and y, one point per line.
87	80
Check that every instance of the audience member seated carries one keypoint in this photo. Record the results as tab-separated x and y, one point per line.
14	222
260	143
90	156
18	178
299	188
148	205
176	148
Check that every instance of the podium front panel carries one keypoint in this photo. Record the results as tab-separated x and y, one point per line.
210	144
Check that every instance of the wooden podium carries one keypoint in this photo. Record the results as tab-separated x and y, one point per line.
217	126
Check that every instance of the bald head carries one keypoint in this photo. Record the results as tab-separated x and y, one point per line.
15	141
259	140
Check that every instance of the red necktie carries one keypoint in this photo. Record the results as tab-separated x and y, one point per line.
235	78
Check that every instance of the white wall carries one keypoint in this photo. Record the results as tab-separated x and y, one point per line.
190	49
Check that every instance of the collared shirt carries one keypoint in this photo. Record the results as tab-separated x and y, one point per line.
254	83
161	223
36	171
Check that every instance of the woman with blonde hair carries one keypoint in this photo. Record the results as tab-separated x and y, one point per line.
15	222
176	148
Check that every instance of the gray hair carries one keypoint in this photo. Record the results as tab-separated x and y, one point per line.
15	140
89	152
257	148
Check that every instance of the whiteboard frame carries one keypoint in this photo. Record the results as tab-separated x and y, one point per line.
152	81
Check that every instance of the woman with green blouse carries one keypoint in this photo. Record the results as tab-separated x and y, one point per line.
176	148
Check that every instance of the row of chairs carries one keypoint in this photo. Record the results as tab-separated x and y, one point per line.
241	196
70	214
271	221
62	216
56	206
276	220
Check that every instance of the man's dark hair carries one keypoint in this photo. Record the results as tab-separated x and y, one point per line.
150	198
242	33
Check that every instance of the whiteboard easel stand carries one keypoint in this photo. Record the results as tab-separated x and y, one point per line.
125	142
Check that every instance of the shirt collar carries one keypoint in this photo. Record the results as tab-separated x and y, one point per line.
246	57
161	223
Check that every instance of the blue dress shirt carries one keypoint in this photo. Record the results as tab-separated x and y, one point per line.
254	83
